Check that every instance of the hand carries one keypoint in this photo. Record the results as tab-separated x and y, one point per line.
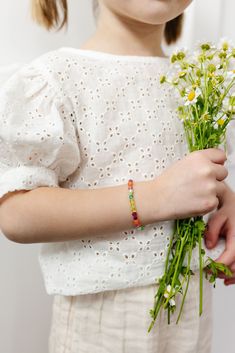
193	185
222	224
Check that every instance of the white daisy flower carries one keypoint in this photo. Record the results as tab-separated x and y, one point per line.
192	96
168	291
225	44
206	45
181	50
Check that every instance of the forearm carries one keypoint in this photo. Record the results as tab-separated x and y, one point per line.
56	214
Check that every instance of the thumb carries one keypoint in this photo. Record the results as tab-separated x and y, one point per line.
214	229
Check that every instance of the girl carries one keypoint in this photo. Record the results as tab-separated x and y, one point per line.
77	124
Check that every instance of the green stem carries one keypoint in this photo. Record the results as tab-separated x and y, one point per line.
185	292
188	274
179	258
200	271
170	247
156	311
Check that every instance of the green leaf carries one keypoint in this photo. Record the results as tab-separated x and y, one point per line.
212	279
223	268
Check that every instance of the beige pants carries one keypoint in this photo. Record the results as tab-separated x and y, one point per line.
117	322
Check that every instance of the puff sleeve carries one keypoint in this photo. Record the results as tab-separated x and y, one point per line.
38	141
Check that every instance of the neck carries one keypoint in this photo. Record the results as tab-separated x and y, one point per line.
121	35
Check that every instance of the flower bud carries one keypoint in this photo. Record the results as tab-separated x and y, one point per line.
205	46
163	79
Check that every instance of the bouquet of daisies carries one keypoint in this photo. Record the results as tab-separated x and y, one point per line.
204	83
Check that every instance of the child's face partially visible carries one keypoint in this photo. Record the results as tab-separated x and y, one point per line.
153	12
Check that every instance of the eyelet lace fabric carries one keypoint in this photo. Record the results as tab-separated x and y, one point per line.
73	118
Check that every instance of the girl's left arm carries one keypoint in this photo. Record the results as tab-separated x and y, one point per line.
222	224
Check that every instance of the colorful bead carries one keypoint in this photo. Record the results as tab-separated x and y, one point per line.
134	214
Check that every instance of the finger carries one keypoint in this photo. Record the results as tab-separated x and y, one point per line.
220	190
216	155
223	276
232	267
214	229
228	256
220	171
227	282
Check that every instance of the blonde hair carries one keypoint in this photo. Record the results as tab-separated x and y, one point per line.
50	13
47	14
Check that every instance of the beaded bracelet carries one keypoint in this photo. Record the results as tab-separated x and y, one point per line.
136	221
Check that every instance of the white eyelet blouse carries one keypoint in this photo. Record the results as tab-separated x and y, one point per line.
74	118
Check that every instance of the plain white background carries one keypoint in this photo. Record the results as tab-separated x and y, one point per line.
25	308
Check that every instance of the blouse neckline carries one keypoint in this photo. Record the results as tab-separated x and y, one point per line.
116	57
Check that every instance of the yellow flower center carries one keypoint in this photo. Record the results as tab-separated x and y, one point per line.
205	117
220	122
191	96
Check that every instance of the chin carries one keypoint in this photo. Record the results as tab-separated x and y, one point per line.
161	11
158	12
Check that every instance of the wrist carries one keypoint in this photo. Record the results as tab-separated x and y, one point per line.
155	201
146	202
151	201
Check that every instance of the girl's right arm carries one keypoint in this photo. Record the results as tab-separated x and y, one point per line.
49	214
190	187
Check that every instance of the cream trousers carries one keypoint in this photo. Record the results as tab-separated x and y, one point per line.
117	322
